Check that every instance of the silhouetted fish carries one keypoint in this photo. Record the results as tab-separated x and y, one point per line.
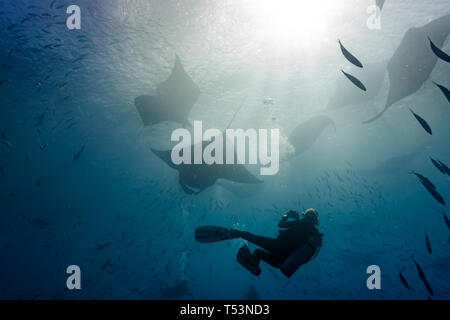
447	221
444	90
438	52
430	187
422	122
424	180
440	166
77	155
412	62
175	99
43	146
355	81
349	56
107	264
422	276
428	243
437	165
345	93
5	140
306	133
403	280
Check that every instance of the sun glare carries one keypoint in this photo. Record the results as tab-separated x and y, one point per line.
291	21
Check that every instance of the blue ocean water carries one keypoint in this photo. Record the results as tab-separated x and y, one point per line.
119	212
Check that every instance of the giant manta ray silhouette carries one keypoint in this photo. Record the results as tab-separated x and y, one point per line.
413	61
174	101
194	178
305	134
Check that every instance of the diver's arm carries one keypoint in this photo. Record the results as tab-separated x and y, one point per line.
284	223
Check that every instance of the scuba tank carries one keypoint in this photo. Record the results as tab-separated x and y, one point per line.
302	255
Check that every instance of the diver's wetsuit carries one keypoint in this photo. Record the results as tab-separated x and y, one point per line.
277	250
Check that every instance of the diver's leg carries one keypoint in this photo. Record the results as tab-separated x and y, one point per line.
247	260
268	244
269	258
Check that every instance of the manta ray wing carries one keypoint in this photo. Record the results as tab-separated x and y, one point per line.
179	91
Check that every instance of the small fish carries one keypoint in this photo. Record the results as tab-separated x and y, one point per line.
6	142
440	166
428	243
43	146
424	279
355	81
62	85
40	118
422	122
77	155
431	188
38	183
107	264
10	26
71	125
438	52
447	221
349	56
403	280
444	90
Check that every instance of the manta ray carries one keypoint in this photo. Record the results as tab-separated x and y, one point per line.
194	178
346	94
413	61
380	4
306	133
174	100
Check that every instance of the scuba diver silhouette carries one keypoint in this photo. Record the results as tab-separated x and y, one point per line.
296	244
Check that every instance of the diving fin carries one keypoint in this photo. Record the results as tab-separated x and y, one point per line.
214	234
246	259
